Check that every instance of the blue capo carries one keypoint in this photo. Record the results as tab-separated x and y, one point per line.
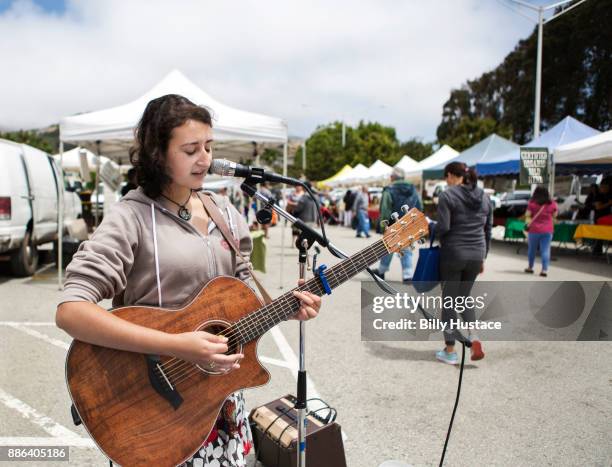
321	273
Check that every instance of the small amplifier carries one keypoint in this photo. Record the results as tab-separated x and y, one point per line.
275	433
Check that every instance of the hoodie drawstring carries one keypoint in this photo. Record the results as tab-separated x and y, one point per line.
159	294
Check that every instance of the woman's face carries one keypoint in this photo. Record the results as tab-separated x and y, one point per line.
189	154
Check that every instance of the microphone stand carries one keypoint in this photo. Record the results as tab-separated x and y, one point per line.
301	404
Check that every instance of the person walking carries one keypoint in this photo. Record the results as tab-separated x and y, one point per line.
360	207
541	210
349	199
394	196
465	219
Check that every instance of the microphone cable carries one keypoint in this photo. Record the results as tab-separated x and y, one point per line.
450	425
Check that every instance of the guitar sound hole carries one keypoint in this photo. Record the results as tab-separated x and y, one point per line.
222	328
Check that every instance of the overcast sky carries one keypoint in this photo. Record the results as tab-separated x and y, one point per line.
308	62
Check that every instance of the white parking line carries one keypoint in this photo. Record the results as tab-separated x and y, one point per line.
59	433
274	361
39	335
291	359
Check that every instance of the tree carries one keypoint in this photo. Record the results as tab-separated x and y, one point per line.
365	144
576	79
29	137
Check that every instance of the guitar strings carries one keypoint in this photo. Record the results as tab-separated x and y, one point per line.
258	319
252	321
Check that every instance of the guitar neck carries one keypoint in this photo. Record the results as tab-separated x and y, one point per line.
260	321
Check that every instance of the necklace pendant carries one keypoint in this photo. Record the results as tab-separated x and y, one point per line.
184	213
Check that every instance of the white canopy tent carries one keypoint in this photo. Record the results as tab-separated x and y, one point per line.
594	150
407	164
442	155
71	161
379	171
357	175
111	131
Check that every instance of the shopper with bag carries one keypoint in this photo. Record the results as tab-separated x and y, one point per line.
541	210
465	218
399	193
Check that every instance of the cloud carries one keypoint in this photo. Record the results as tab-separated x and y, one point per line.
307	62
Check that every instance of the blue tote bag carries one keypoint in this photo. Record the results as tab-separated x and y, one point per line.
427	272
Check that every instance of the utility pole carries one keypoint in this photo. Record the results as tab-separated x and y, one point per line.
541	22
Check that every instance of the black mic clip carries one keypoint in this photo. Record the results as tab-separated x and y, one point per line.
264	215
256	175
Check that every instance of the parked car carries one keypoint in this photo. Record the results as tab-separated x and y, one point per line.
514	204
30	184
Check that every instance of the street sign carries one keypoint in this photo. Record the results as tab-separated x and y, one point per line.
535	166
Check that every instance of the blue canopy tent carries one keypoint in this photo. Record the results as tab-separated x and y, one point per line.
566	131
489	148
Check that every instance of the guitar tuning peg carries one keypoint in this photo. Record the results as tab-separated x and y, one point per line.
384	224
395	216
405	208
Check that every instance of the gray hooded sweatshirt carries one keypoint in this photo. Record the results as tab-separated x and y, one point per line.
465	219
151	256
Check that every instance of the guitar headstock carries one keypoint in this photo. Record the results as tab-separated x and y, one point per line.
406	230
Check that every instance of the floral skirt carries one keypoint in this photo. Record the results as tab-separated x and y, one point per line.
229	441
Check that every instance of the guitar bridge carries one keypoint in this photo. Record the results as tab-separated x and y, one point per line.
161	383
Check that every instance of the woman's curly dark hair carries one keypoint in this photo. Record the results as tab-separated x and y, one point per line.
152	135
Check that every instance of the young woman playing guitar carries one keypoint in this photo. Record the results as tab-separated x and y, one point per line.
157	247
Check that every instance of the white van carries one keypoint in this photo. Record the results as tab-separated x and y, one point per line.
30	183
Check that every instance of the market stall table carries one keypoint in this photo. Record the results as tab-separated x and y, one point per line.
595	232
563	231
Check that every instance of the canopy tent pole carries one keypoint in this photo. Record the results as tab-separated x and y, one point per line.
60	219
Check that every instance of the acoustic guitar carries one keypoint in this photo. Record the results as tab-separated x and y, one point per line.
157	410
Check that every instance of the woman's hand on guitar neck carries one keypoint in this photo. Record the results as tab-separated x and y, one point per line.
310	304
204	349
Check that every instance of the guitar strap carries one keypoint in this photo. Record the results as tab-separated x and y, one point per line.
213	211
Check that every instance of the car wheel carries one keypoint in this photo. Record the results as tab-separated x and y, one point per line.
25	260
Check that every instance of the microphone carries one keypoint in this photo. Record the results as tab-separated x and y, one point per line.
226	168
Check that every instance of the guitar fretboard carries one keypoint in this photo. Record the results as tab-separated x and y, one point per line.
260	321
